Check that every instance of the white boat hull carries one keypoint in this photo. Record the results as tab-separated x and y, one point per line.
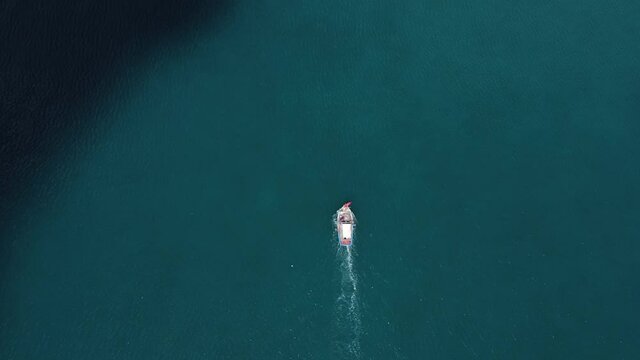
345	225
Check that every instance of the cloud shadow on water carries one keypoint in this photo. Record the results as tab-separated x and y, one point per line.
58	61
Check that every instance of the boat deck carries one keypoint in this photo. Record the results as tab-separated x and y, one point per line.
346	217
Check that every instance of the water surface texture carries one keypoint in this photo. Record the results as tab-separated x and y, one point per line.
185	212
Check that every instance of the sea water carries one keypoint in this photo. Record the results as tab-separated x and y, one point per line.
489	148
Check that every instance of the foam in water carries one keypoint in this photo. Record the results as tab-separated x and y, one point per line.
347	305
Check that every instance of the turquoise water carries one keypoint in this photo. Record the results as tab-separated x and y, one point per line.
490	151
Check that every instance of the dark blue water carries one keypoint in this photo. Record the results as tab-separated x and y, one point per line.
174	200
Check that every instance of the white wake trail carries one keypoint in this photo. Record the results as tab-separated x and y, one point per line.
347	306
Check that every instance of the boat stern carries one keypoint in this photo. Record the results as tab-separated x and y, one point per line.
345	234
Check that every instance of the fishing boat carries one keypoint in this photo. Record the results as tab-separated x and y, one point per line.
345	224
